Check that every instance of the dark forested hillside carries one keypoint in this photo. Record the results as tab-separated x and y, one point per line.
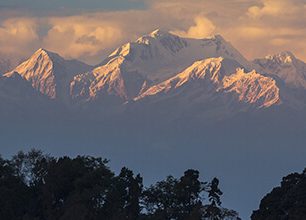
287	201
38	186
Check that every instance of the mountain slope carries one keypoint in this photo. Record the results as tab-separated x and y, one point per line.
160	54
290	74
107	82
17	97
285	66
253	88
186	76
151	59
49	73
216	78
5	66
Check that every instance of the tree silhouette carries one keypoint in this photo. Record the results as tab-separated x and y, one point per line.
123	200
213	210
160	200
288	201
35	186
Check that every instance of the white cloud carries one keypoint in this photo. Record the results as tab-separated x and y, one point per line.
18	36
255	27
202	28
275	8
80	36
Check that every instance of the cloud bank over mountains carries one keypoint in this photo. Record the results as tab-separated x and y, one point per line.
89	34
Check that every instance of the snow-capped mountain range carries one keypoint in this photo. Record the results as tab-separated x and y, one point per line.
165	70
153	58
218	76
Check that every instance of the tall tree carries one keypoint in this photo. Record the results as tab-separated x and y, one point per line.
160	200
213	210
288	201
189	190
123	200
175	199
14	194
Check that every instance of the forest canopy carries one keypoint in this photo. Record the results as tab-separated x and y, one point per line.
34	185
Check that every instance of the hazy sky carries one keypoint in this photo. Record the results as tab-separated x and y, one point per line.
72	4
90	29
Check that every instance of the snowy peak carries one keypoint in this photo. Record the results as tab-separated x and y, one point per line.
163	40
151	59
252	88
200	70
285	66
44	52
104	80
45	56
160	54
211	70
159	33
282	58
152	47
38	69
218	40
156	59
161	70
49	73
216	77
